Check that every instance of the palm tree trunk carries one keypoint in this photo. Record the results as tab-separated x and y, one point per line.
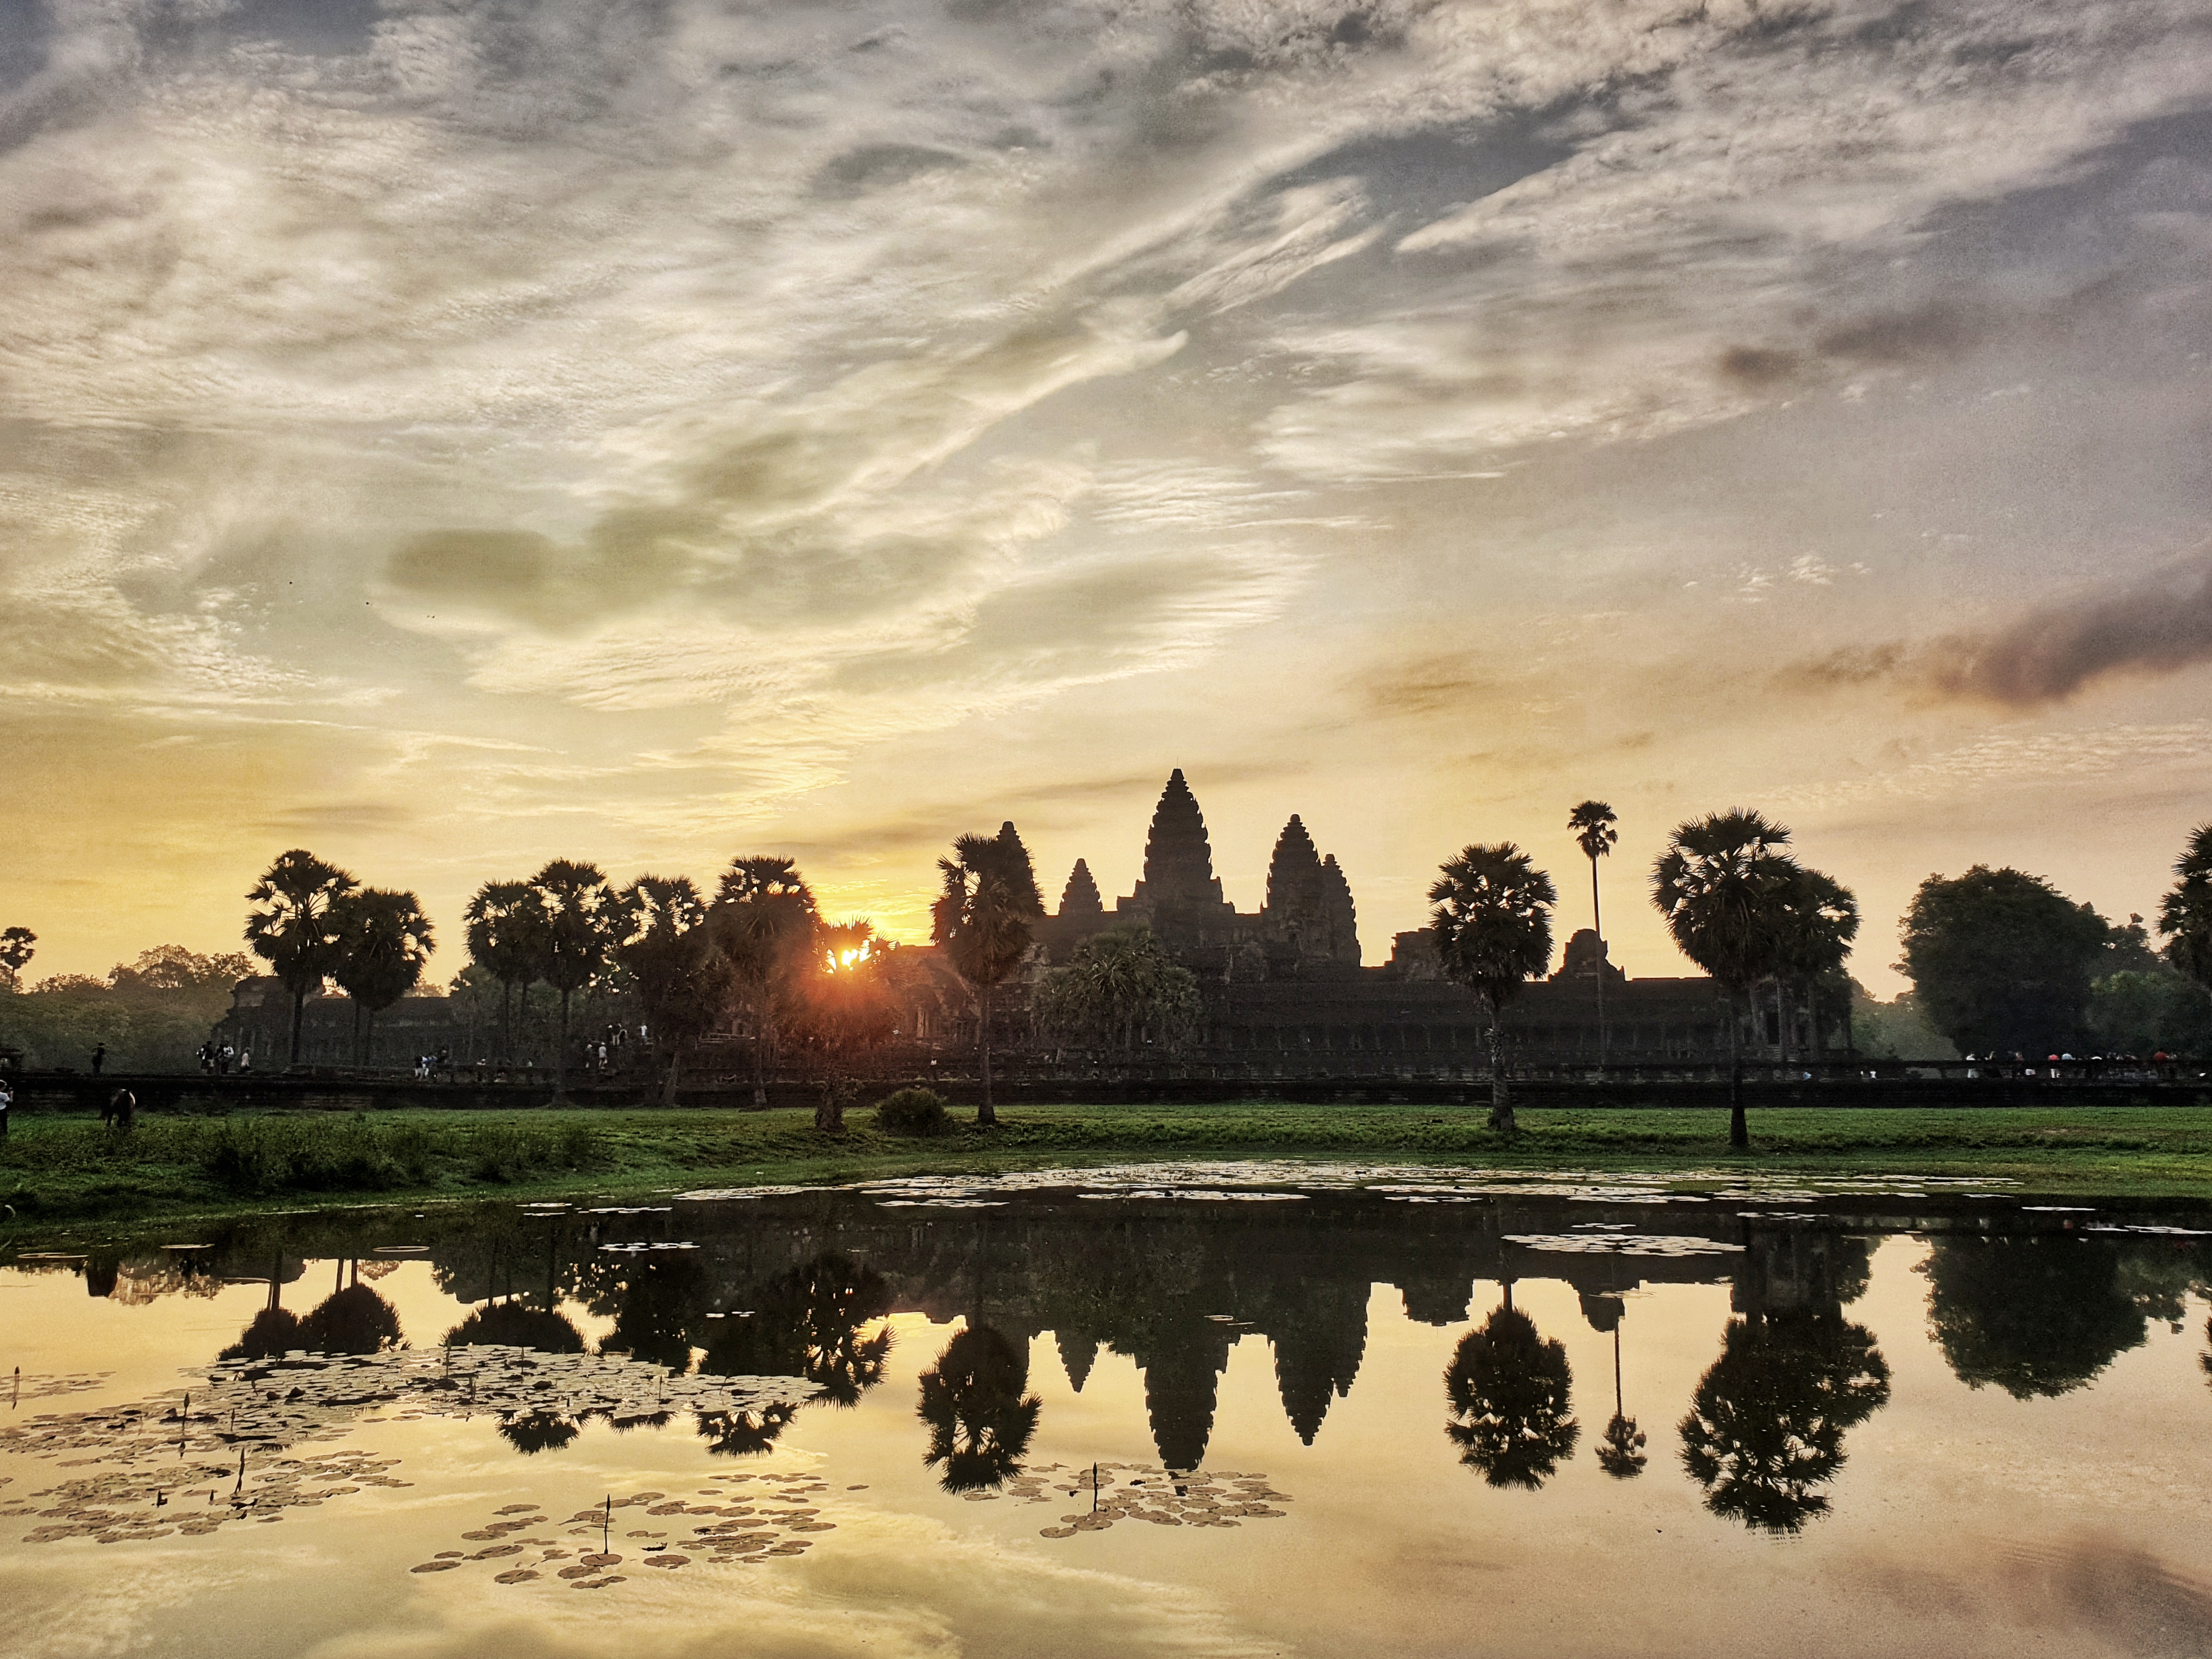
358	1058
1501	1095
1617	1408
1738	1131
760	1046
299	1006
668	1085
561	1059
507	1022
1597	927
986	1116
368	1037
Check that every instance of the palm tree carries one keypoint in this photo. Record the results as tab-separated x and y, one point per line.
292	930
1509	1389
506	935
981	1419
845	1008
1116	985
682	978
1717	884
1817	917
384	940
1592	822
1492	915
764	922
981	921
2184	915
581	914
15	954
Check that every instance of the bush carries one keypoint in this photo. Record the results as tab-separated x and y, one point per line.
913	1112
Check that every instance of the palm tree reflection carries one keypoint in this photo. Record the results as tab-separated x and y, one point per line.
807	1322
542	1429
980	1419
1509	1391
516	1325
1767	1424
1620	1450
744	1433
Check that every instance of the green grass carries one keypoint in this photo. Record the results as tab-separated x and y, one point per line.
66	1169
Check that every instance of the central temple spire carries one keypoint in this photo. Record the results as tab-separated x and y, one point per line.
1178	860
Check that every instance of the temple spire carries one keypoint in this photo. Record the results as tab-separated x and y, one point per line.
1178	860
1081	896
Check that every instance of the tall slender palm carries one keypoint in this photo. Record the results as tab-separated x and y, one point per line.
1620	1451
1717	884
981	921
682	978
764	922
581	915
981	1415
1817	918
506	935
292	929
1592	822
1491	912
2184	915
384	940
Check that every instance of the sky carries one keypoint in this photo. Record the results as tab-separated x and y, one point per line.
449	435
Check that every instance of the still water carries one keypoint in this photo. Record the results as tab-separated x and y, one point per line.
1197	1410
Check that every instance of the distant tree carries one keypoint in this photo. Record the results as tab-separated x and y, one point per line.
683	980
1592	822
1817	917
1766	1423
171	968
2002	960
1509	1390
1116	987
1490	915
384	940
764	922
1718	884
582	917
2184	915
981	1415
2143	1013
845	1010
292	928
2037	1316
507	937
981	921
15	954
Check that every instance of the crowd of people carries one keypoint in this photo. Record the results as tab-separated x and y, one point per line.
221	1059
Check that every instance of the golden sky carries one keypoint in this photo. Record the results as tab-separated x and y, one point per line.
449	435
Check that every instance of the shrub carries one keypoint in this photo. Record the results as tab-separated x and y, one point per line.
913	1112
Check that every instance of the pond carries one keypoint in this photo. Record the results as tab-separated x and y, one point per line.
1176	1410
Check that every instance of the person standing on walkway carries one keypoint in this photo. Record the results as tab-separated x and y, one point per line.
99	1059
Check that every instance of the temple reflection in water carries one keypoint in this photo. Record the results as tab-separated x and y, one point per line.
801	1285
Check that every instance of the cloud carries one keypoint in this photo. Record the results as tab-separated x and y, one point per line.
2046	655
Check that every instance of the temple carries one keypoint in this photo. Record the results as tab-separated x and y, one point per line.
1308	928
1284	986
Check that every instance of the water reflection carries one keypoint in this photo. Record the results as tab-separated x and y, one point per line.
2042	1315
1766	1426
980	1414
352	1320
1509	1392
1619	1449
807	1322
516	1325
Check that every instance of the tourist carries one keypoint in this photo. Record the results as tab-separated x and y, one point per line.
245	1060
7	1105
99	1059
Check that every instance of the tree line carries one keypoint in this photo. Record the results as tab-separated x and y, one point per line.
2004	964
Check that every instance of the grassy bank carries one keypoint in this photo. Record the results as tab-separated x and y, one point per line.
58	1169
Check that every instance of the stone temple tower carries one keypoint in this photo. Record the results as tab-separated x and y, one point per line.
1179	883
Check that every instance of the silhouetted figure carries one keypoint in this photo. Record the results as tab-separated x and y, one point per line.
99	1059
1509	1391
1767	1424
7	1107
2037	1316
981	1419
